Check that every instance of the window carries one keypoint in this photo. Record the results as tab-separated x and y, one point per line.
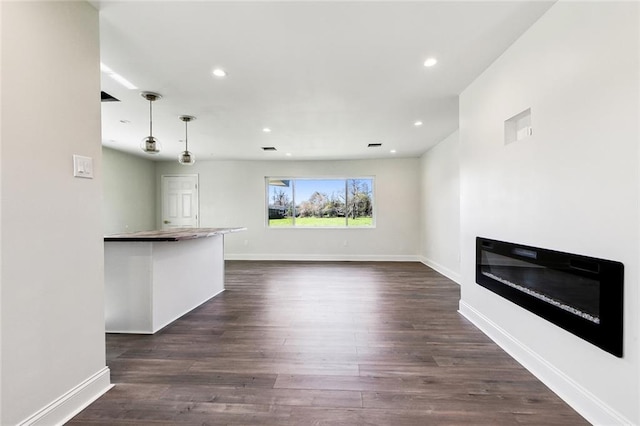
317	203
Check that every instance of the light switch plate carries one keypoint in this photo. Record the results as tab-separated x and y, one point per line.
83	167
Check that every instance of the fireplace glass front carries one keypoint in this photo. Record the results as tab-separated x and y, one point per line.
581	294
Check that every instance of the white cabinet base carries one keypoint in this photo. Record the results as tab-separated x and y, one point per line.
150	284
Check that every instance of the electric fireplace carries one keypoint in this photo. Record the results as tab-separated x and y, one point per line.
583	295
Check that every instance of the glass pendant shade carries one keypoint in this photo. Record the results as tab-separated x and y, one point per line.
186	158
150	145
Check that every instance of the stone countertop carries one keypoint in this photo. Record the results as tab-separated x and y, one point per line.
177	234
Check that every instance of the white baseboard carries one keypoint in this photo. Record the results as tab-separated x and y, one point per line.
452	275
323	257
71	403
580	399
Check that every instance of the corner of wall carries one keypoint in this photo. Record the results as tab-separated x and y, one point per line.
440	207
443	270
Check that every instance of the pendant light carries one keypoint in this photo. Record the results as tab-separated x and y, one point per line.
149	144
186	158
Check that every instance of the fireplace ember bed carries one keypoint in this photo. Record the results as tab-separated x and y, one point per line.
583	295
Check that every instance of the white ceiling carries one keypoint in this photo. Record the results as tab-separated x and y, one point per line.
327	77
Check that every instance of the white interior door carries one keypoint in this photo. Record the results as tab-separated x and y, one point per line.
180	201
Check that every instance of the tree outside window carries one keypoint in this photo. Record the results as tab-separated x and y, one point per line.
309	202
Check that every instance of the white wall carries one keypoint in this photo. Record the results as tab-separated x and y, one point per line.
572	186
52	325
1	109
440	207
232	193
129	192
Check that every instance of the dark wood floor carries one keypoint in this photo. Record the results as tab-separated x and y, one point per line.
297	343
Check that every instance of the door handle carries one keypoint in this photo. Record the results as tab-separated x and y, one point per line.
167	221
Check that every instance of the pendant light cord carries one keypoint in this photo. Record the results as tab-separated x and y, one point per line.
186	135
150	118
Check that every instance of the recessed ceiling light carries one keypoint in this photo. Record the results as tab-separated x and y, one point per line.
430	62
219	72
418	123
288	154
393	151
266	130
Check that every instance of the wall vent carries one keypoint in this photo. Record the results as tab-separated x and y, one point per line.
374	145
269	148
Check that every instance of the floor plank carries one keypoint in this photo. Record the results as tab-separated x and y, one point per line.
340	343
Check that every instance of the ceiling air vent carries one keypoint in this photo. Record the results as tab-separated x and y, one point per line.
269	148
105	97
374	145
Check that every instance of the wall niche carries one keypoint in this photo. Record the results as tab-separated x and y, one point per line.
518	127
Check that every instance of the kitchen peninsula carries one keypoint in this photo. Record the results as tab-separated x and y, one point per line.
154	277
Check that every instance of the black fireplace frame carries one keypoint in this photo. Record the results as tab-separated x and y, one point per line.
608	334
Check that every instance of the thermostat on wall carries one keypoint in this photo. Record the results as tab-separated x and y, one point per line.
83	167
